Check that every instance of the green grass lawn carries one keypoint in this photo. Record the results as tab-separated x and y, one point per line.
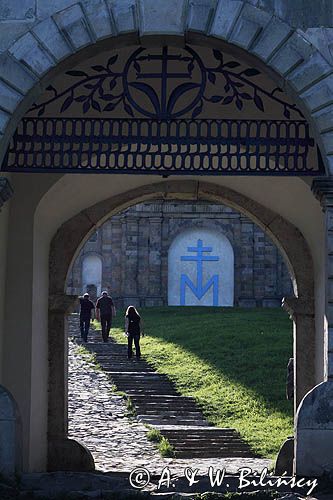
231	360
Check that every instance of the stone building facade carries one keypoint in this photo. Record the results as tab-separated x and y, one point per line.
130	255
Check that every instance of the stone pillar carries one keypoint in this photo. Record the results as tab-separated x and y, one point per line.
323	189
143	253
130	262
314	420
63	453
6	191
302	313
165	231
105	252
116	260
246	298
155	235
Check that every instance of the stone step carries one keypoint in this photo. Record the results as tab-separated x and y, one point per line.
157	403
193	431
169	411
165	402
177	421
172	417
209	454
210	442
169	397
216	449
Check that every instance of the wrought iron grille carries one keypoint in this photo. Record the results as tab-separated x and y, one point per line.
178	146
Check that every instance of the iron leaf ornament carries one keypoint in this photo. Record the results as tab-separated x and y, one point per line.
182	84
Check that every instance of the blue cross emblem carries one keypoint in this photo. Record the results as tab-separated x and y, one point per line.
200	289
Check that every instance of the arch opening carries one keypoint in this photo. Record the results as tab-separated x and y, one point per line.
180	190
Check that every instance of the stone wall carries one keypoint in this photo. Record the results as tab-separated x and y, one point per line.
134	248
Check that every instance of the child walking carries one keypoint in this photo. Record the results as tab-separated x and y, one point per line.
133	331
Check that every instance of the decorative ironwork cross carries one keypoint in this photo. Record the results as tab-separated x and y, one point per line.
164	75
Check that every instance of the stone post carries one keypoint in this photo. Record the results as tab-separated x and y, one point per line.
323	190
10	436
63	453
116	260
130	262
247	265
314	419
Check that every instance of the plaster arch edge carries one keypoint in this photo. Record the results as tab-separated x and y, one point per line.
72	233
284	234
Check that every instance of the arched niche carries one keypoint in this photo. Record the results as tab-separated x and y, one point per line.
201	269
92	272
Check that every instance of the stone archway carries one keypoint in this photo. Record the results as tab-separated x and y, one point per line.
76	230
64	37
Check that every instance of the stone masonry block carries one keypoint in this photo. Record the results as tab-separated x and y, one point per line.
330	365
4	119
315	410
271	38
248	26
159	16
327	139
125	15
330	246
329	219
199	13
9	98
14	11
330	290
324	118
330	266
330	314
322	38
330	340
49	7
12	30
48	33
309	72
99	18
73	24
15	74
292	53
28	50
319	94
329	160
226	14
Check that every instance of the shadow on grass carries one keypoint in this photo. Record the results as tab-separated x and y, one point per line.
248	346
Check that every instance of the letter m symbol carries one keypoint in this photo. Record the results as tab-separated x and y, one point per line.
199	291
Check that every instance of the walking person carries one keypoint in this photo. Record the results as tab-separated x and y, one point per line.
133	331
105	311
86	306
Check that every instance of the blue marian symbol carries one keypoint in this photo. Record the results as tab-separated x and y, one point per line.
200	289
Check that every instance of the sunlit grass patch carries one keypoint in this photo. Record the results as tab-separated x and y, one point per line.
232	361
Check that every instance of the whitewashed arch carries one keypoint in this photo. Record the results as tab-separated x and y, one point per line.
207	281
92	272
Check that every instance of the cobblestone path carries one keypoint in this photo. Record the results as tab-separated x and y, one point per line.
98	417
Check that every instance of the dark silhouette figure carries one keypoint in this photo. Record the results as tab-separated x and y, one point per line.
105	311
86	306
133	331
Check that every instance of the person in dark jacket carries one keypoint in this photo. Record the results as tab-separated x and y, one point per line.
105	311
86	306
133	331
